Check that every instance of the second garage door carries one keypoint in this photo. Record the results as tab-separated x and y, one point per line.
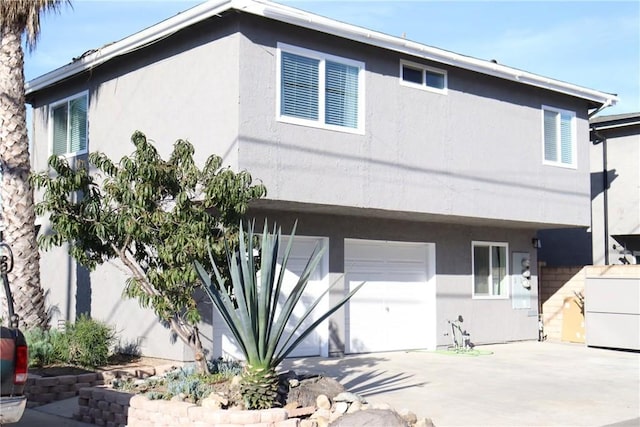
395	309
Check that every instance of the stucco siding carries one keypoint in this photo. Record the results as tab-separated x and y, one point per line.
487	320
183	88
474	152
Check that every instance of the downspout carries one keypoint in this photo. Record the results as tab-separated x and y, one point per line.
605	193
605	179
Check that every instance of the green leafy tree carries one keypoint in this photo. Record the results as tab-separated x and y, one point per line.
18	18
152	217
253	309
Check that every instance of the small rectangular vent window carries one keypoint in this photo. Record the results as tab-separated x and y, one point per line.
423	77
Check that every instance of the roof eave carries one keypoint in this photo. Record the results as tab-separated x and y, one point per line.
318	23
130	43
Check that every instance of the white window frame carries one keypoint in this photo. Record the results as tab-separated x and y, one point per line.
424	69
507	277
52	106
322	58
574	145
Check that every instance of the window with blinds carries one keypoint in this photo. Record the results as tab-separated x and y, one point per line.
559	141
69	126
321	90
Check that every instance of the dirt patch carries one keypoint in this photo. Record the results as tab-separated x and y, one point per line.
116	361
58	370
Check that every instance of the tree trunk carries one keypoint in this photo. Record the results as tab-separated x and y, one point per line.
18	216
190	335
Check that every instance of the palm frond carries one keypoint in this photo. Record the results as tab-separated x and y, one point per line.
25	15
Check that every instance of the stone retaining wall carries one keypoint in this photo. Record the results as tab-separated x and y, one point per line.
103	407
112	408
42	390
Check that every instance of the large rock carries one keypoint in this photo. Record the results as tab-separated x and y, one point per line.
370	417
308	390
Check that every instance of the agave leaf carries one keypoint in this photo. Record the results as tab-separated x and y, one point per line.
223	303
244	312
285	351
306	314
250	305
275	294
269	245
294	297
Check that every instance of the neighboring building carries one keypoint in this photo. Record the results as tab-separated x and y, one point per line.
614	234
615	189
424	172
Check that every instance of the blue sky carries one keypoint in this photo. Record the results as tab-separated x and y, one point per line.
595	44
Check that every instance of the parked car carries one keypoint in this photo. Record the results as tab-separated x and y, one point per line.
14	354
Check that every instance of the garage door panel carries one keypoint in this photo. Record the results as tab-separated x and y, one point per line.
395	300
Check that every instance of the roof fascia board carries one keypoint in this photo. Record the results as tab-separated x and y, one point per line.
311	21
130	43
596	126
319	23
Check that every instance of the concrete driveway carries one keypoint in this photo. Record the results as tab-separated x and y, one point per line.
517	384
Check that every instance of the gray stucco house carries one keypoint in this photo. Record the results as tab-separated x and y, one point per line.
613	236
424	172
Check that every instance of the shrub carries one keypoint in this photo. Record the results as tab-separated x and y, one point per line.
89	341
226	368
86	342
40	347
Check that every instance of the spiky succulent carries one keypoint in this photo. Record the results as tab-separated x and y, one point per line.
250	308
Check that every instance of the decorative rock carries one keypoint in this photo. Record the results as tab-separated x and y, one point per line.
408	416
424	422
294	382
322	422
236	381
340	408
323	402
215	396
291	405
177	398
381	406
301	412
308	423
321	413
354	407
348	397
334	416
371	417
210	403
310	388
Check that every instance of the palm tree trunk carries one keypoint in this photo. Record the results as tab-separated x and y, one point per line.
18	216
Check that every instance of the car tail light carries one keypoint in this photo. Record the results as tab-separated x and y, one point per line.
22	363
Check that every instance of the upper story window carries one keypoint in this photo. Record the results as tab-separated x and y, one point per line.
68	126
490	270
559	135
316	89
423	77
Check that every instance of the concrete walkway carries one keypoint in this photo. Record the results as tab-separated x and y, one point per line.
517	384
56	414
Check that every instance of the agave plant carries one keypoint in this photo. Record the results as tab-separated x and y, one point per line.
251	309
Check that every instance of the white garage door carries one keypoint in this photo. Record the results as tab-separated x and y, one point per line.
316	343
395	309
